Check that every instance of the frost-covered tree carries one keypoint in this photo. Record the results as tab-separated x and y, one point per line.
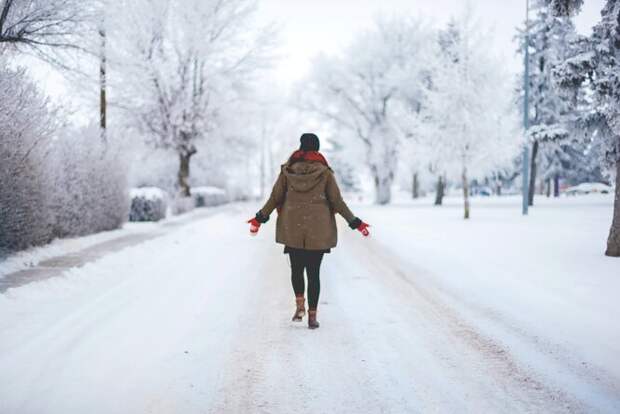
557	155
67	34
469	117
184	63
344	167
428	147
43	27
549	44
365	91
564	7
596	65
583	164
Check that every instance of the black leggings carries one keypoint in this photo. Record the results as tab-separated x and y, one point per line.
311	261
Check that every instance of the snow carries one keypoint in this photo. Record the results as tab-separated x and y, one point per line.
208	190
31	257
150	193
501	313
209	196
542	277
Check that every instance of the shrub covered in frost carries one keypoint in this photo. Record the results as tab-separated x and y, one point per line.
182	205
209	196
148	204
90	188
24	186
53	182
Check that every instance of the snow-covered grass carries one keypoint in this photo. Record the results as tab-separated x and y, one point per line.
545	275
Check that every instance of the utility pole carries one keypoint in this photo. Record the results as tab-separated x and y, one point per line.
526	111
103	103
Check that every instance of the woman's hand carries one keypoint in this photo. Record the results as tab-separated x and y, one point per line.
363	228
359	225
254	226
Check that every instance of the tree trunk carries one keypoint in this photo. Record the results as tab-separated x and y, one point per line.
415	190
383	188
533	167
441	185
548	187
183	177
613	242
465	194
556	185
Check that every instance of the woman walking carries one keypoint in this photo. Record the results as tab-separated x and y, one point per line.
307	198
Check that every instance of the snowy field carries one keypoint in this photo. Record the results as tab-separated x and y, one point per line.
500	314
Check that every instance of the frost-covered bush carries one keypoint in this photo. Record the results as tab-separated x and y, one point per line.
53	182
209	196
25	123
148	204
90	187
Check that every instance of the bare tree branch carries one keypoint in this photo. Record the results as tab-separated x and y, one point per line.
43	25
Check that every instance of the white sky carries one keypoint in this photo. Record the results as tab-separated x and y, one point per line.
309	27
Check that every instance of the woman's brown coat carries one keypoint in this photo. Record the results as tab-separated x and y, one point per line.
307	198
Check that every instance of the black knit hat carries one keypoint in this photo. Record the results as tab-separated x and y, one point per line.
309	142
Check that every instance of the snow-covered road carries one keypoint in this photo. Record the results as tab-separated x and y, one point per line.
198	321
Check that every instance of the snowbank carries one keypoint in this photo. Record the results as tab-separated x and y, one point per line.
209	196
32	256
149	193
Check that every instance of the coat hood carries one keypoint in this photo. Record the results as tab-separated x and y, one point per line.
303	176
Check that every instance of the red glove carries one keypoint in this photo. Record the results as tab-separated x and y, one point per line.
254	226
363	228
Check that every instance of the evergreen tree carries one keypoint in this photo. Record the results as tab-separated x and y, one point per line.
564	7
596	65
549	43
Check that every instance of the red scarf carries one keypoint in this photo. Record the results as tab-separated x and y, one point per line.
300	155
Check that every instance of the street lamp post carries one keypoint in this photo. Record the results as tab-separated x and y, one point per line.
526	111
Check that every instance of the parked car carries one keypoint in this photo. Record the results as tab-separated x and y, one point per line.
588	188
484	191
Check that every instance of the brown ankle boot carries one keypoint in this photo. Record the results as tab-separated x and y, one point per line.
300	311
312	322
